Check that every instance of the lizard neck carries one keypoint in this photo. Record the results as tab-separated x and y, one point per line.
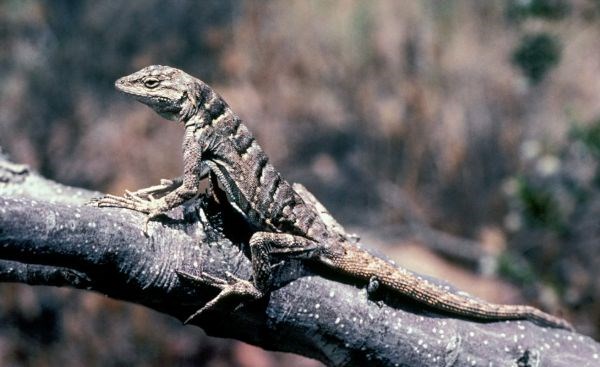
211	107
201	105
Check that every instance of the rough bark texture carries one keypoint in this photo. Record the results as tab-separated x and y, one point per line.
48	236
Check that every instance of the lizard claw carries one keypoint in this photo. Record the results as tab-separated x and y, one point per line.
167	182
130	194
230	287
373	285
145	226
151	216
92	202
278	265
154	192
132	201
139	195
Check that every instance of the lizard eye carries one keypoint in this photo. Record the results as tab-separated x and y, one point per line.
151	83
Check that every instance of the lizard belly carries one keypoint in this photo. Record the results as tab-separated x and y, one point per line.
239	200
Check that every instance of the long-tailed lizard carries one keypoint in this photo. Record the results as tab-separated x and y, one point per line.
288	220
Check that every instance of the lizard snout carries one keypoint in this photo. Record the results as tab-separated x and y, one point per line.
119	83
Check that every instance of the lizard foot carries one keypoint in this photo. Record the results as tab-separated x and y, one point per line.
230	287
157	191
12	172
149	207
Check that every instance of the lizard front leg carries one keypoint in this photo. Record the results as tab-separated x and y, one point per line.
150	206
144	201
156	191
165	187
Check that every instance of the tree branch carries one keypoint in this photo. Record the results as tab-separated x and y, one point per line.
48	236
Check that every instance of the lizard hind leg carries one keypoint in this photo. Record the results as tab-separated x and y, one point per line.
263	245
230	288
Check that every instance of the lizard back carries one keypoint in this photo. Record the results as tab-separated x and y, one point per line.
253	186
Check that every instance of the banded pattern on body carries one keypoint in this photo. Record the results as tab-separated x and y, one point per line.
285	222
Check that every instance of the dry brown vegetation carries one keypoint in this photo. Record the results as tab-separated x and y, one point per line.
394	113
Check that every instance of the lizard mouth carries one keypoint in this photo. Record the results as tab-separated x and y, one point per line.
166	107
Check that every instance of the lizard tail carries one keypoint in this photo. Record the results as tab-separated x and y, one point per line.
358	263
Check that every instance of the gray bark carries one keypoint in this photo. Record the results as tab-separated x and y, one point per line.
49	237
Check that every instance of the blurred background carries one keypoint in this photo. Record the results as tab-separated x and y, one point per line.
460	137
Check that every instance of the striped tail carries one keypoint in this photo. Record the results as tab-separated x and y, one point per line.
358	263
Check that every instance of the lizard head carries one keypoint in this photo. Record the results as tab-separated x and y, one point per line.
170	92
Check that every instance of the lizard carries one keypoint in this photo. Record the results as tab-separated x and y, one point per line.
288	220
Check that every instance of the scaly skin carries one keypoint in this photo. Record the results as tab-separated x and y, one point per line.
290	222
